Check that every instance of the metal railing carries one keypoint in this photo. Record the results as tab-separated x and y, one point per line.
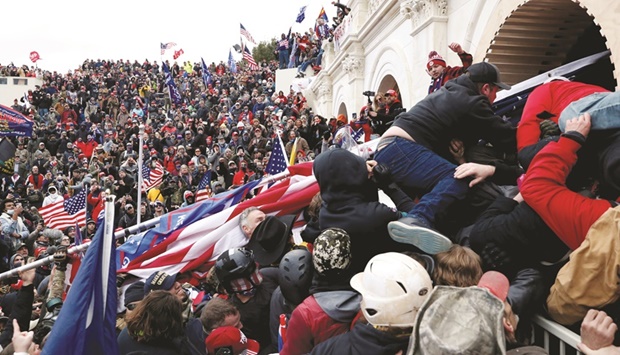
553	337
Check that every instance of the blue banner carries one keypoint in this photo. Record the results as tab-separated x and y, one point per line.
14	124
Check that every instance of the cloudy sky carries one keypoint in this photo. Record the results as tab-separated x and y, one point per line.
65	32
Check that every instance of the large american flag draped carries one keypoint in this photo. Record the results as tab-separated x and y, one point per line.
196	246
246	34
203	193
164	46
248	57
277	161
66	213
151	177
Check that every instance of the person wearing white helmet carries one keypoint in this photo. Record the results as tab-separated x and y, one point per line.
393	287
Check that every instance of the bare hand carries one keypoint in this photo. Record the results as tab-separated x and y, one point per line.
21	340
27	276
457	149
456	48
370	164
478	171
597	330
579	124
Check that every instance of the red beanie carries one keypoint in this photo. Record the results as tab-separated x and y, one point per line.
434	58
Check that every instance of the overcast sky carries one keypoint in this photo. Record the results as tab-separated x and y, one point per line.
66	32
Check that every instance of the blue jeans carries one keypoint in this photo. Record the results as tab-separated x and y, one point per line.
603	107
414	166
283	57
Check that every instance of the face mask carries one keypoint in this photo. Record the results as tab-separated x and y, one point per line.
10	211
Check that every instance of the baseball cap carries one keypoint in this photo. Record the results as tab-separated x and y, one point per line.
496	283
485	72
455	320
232	339
159	280
332	251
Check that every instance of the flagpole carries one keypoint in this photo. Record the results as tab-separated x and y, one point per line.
108	235
140	177
135	229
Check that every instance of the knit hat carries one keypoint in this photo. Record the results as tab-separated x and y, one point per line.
434	58
230	338
134	293
332	251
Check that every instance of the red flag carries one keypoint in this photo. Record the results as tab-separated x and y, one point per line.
178	53
34	56
197	246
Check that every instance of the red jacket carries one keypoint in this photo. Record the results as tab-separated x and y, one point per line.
310	325
569	214
87	147
97	202
548	101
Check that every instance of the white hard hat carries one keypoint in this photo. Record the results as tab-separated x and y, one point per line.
393	287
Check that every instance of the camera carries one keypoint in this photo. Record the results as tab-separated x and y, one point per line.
369	93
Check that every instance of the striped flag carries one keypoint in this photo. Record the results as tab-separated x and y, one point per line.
164	46
196	246
246	34
63	214
250	59
277	161
151	176
204	187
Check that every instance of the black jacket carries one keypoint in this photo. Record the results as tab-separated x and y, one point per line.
516	229
351	202
362	339
456	110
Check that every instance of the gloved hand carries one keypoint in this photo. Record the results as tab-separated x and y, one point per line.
495	258
382	176
549	128
60	259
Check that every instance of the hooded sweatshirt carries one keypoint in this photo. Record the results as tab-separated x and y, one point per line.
351	202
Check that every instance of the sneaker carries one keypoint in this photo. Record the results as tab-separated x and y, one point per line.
414	231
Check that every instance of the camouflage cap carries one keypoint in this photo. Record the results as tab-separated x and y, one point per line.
332	251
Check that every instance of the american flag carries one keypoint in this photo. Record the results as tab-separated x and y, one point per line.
246	34
63	214
151	177
277	161
248	57
203	193
196	246
164	46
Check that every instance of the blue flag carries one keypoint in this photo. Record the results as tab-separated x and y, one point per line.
172	223
302	15
14	124
86	324
175	95
231	63
206	76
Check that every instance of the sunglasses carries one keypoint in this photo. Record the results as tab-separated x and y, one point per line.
131	306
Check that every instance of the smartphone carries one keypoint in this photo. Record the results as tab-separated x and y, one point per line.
354	115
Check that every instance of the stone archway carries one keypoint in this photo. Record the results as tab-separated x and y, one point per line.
342	110
389	83
540	35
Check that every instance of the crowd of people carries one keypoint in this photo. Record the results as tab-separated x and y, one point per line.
485	214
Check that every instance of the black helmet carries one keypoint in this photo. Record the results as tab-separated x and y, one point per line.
234	264
296	273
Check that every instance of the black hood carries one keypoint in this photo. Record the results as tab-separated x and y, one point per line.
342	176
